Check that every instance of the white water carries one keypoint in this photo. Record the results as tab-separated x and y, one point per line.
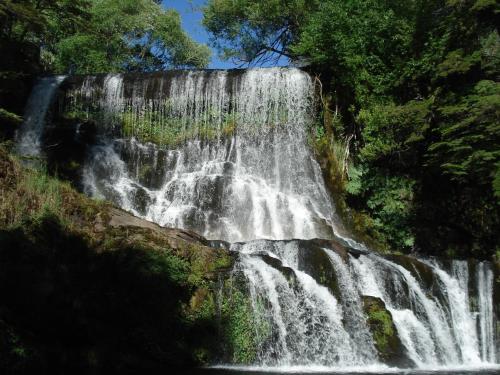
435	331
254	178
354	316
260	182
29	136
462	319
486	314
305	317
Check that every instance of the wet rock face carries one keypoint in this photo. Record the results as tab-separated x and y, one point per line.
141	200
385	336
276	263
65	145
314	261
422	272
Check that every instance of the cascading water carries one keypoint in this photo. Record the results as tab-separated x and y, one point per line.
29	137
256	177
437	328
487	317
305	316
230	159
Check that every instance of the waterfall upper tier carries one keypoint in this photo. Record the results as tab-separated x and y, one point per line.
229	156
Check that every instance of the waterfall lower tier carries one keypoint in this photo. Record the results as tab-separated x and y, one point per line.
308	311
226	154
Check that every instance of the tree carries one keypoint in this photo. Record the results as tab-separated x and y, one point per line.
256	31
26	28
129	35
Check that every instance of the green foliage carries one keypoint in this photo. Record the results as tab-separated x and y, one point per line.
129	35
496	182
468	136
389	202
392	134
34	195
239	327
7	117
361	43
31	194
41	22
354	185
26	28
87	36
385	336
249	30
384	330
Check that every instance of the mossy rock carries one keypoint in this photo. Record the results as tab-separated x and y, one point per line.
385	335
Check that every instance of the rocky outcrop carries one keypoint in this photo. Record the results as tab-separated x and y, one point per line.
175	237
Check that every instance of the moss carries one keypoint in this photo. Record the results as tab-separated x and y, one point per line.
10	118
238	326
380	321
170	131
384	333
202	303
384	329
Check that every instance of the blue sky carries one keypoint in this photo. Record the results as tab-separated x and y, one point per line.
190	11
191	21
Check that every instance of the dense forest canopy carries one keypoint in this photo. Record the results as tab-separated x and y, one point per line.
415	83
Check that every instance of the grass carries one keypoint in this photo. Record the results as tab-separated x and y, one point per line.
28	193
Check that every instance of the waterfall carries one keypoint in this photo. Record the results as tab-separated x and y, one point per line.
306	317
259	181
462	321
436	329
29	136
486	313
226	154
354	316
